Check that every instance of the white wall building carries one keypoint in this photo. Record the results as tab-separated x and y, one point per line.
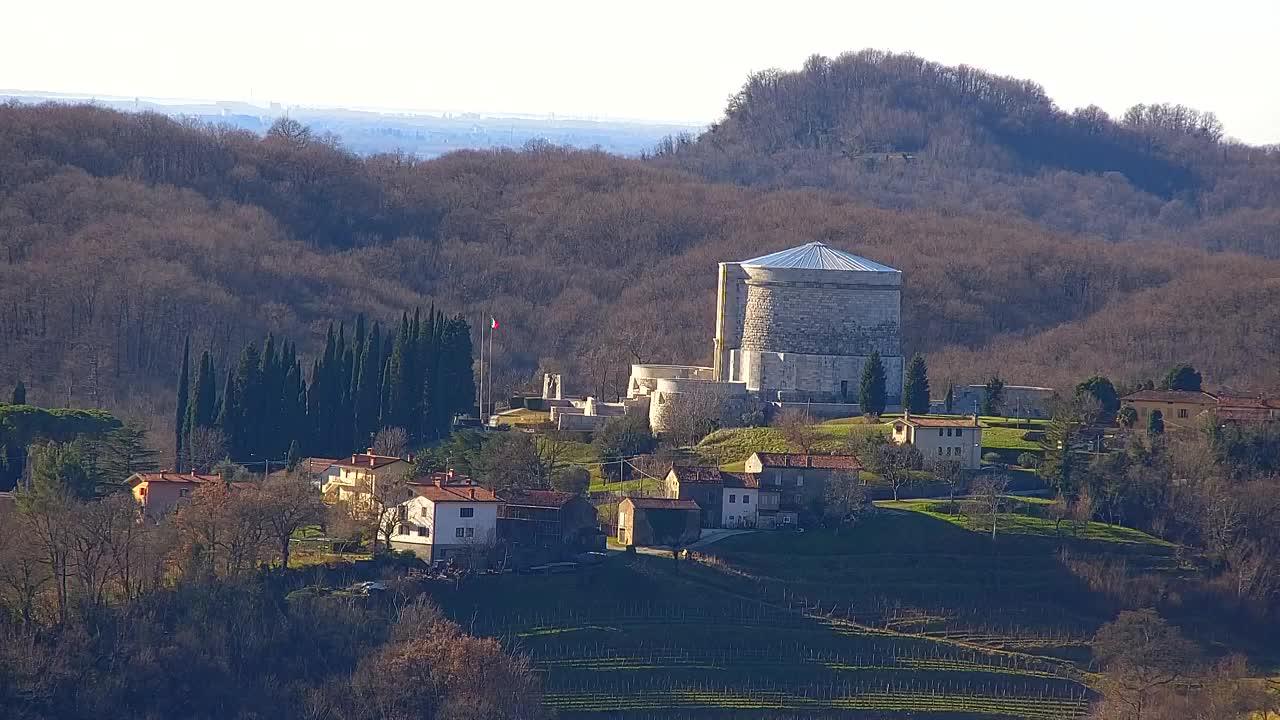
446	522
740	501
951	438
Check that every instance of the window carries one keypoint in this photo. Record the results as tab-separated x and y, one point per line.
402	513
1182	413
799	481
466	512
471	532
460	532
746	499
142	492
939	451
733	498
939	432
424	532
957	450
948	451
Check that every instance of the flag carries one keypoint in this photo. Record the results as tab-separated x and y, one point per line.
493	323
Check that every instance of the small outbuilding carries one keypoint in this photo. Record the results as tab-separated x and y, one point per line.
658	521
547	518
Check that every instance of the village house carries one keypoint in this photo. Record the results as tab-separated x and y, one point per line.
443	521
548	519
1180	409
701	484
658	521
726	499
160	493
740	500
942	438
357	477
798	479
1247	409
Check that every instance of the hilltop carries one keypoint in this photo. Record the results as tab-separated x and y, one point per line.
902	132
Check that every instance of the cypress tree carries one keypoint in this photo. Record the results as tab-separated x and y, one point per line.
384	396
915	387
180	416
368	387
400	381
1155	423
229	410
272	382
19	394
315	441
951	398
294	455
251	403
873	385
457	381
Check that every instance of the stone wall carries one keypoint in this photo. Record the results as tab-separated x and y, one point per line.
822	318
796	377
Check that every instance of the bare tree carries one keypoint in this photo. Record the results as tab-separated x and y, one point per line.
391	441
288	503
1141	653
799	429
206	448
988	494
692	415
844	499
951	474
22	571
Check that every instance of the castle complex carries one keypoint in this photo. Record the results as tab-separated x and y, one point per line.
795	326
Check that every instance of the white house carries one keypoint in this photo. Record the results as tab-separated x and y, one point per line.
740	500
447	521
942	438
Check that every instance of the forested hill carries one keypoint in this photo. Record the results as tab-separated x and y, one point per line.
902	132
121	234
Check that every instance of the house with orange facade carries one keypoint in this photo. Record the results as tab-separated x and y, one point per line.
160	493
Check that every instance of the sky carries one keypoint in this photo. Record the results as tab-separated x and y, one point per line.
660	60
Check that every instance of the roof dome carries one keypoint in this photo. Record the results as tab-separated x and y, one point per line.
816	256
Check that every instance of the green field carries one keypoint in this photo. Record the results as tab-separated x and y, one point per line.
910	614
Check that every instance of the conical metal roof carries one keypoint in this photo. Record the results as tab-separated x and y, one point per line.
816	256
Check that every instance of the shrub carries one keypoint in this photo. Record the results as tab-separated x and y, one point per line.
1029	460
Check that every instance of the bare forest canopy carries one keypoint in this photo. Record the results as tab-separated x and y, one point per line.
1033	246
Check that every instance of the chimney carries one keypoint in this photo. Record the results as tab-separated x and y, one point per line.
439	481
906	413
975	419
371	460
449	473
473	493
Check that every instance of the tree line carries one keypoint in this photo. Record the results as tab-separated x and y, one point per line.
416	376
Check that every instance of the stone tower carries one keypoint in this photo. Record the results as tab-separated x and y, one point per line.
798	325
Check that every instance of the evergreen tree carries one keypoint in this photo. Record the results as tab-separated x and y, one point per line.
368	388
294	455
229	410
1182	377
19	394
251	405
1102	389
872	396
396	411
951	398
993	396
180	416
1155	423
123	452
204	395
915	387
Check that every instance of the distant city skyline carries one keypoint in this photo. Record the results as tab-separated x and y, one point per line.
664	61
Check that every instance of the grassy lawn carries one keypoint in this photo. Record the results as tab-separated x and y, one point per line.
1002	438
731	446
523	416
1028	518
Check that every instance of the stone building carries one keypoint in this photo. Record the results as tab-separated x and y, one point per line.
798	325
795	326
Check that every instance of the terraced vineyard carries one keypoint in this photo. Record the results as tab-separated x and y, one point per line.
907	615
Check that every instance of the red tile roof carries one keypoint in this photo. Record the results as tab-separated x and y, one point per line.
172	477
662	504
537	498
817	462
1171	396
366	460
740	480
939	422
701	474
1249	402
455	493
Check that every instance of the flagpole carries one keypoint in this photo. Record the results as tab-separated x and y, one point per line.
480	390
492	329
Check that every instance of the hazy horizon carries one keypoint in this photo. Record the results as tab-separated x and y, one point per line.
677	63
